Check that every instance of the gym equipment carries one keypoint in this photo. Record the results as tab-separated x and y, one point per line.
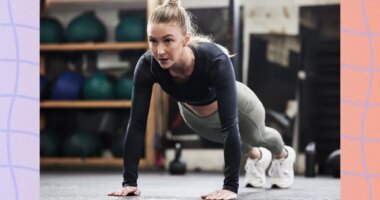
82	144
49	144
86	28
131	29
68	86
177	167
333	163
124	88
310	159
51	31
98	87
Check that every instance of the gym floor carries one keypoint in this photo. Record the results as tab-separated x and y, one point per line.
162	186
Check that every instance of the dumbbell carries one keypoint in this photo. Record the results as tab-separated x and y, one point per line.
177	166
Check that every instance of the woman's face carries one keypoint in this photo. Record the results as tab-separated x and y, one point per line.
166	42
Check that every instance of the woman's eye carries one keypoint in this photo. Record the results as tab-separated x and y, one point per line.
167	41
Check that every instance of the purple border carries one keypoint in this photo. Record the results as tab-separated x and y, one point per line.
19	100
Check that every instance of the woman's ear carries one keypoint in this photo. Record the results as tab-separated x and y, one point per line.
187	39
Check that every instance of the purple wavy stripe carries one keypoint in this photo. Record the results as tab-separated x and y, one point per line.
370	84
360	68
21	26
348	101
353	138
354	32
359	174
26	168
22	132
10	111
36	64
20	97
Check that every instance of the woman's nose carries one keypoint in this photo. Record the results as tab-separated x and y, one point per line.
160	50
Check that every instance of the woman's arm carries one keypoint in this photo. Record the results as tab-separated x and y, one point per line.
223	77
135	134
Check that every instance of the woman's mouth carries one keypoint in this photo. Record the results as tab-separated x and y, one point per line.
163	60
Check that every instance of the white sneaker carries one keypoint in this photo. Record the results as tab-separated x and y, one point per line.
255	169
281	171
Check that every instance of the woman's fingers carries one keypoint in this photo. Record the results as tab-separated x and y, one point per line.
126	191
206	195
137	192
220	195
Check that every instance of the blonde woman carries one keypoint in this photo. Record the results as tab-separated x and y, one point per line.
199	75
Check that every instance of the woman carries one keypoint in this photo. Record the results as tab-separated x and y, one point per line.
200	76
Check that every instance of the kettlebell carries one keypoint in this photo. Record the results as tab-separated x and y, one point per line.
177	167
310	159
333	163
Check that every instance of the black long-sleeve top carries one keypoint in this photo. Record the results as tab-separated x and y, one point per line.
212	79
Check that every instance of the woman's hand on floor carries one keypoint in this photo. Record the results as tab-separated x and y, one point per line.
126	191
220	195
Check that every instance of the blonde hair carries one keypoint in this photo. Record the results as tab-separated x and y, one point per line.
172	11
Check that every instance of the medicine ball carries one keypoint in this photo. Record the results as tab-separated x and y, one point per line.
98	87
124	88
131	29
51	31
49	144
68	86
82	144
86	28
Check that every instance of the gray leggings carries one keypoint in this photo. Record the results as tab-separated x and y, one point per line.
253	131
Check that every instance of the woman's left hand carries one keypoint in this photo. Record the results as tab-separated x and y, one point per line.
220	195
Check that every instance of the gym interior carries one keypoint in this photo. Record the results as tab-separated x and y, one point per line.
287	52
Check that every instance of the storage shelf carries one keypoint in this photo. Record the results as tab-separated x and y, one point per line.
148	161
94	46
87	162
86	104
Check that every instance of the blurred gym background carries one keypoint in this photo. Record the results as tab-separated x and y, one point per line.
287	52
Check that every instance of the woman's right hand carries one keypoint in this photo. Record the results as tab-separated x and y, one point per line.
126	191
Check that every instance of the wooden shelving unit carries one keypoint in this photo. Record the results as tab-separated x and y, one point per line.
109	46
148	160
80	162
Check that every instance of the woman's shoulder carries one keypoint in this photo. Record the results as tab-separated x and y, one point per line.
146	60
146	57
144	63
211	49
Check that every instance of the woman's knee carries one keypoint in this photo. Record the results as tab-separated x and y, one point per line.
273	139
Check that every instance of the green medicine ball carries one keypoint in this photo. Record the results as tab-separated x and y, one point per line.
86	28
124	88
51	31
49	144
98	87
82	144
131	29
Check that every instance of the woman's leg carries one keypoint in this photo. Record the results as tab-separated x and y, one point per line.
252	127
255	134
